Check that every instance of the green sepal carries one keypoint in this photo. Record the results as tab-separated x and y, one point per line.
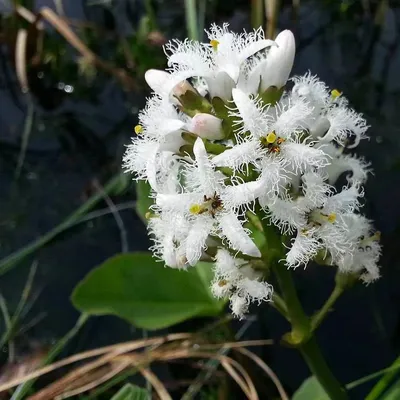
186	149
221	111
189	137
272	95
193	103
214	148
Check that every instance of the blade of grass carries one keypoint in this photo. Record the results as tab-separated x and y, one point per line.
9	262
383	384
191	19
7	323
24	298
24	388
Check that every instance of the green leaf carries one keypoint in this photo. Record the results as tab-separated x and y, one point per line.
131	392
310	389
393	393
137	288
144	201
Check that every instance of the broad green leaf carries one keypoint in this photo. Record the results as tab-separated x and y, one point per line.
145	292
143	200
131	392
310	389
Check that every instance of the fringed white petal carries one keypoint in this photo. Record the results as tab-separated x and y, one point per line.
237	236
249	115
304	247
196	240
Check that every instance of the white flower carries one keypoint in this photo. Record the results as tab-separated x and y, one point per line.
259	147
206	126
234	278
272	68
210	206
219	62
271	132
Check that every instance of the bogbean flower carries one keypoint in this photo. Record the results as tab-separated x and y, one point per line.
227	139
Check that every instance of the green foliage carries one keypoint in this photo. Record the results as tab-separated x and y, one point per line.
137	288
143	200
310	389
131	392
393	393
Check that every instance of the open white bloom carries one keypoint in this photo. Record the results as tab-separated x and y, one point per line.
236	280
227	139
210	206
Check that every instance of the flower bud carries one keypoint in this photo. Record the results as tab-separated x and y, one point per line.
207	126
156	79
279	62
182	88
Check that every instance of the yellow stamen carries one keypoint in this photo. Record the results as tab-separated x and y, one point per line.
196	209
332	218
335	94
271	137
222	283
138	129
214	44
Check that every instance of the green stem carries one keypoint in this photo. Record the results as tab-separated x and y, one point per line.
320	369
13	259
326	308
191	19
384	382
303	338
279	304
257	13
301	335
298	319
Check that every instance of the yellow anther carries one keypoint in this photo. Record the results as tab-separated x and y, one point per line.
335	94
222	283
332	218
271	137
214	44
138	129
196	209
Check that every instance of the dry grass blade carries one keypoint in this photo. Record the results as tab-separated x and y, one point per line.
20	59
267	370
117	349
94	383
230	367
28	16
62	27
58	387
271	13
232	345
156	383
244	381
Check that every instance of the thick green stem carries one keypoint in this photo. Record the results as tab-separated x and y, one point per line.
299	321
301	335
320	369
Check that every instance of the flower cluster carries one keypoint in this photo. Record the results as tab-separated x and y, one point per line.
226	134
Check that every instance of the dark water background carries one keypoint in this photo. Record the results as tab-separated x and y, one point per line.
75	140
